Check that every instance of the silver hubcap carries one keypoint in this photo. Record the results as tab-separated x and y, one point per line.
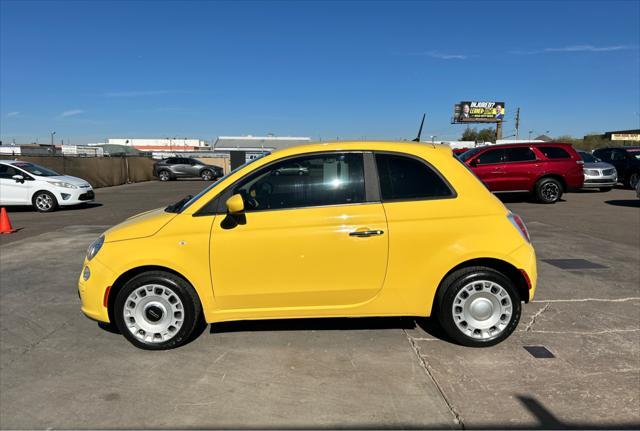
153	313
633	181
44	202
482	309
206	176
550	191
164	176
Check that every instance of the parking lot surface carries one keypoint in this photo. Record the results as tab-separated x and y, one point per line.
61	370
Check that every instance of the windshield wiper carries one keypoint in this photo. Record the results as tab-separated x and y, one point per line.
175	208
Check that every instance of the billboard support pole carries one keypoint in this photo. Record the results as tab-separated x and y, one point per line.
498	130
518	124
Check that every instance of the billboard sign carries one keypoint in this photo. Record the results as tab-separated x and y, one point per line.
478	112
625	136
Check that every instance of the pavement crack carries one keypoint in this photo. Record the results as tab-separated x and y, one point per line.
606	331
535	316
428	370
33	345
547	301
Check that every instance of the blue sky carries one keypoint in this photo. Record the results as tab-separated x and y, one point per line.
93	70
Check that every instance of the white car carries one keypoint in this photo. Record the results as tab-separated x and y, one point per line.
25	183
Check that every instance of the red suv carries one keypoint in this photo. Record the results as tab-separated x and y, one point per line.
545	169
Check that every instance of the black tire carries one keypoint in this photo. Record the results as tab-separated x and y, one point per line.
206	175
171	284
632	180
462	278
44	201
548	190
605	189
165	175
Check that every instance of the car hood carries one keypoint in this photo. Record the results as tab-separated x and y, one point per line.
139	226
598	165
67	179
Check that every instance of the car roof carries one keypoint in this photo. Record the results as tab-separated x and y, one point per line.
630	147
394	146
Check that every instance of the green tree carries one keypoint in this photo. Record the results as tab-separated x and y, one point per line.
487	135
469	134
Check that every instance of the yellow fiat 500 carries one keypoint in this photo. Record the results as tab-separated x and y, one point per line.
323	230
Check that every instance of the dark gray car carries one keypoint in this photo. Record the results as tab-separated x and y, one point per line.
185	167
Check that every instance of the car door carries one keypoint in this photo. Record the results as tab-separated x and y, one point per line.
193	167
13	192
315	240
520	167
619	160
182	167
489	167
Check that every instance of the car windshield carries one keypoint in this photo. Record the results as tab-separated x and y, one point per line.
468	154
588	158
187	203
34	169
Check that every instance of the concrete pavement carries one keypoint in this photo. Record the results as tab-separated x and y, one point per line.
60	370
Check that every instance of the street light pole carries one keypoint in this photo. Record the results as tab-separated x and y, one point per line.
52	133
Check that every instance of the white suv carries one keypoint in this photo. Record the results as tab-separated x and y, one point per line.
24	183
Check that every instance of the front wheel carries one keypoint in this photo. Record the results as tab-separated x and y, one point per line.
157	311
479	307
45	202
548	190
632	182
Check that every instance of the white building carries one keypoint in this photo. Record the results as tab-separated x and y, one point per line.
161	144
258	143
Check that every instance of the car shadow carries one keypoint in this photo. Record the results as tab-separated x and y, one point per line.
511	198
30	209
320	324
633	203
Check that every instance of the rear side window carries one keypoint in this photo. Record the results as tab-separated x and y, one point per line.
554	152
603	154
407	178
519	154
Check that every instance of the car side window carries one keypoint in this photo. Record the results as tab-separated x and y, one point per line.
617	155
520	154
554	152
603	154
317	180
7	172
491	156
171	161
404	177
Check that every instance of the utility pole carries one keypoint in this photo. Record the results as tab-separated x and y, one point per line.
518	124
52	133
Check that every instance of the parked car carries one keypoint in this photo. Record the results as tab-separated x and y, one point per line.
546	170
24	183
598	174
185	167
373	229
626	160
295	169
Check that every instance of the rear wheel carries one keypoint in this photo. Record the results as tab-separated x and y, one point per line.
478	307
44	201
548	190
157	311
632	182
206	175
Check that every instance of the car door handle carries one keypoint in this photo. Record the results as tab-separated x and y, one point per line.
366	233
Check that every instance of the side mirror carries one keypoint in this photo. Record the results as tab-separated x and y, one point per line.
18	178
473	162
235	204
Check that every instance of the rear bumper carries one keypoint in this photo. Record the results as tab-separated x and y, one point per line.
524	258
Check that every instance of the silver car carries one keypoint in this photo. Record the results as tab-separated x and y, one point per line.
598	174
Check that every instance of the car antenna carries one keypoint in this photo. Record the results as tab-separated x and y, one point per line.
417	139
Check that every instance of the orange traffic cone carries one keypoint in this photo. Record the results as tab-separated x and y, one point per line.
5	223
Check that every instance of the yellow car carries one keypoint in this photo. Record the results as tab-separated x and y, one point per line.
362	229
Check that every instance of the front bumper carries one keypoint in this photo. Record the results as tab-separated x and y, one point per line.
594	182
92	291
68	197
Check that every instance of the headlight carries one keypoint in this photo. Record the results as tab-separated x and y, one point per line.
62	184
591	172
95	247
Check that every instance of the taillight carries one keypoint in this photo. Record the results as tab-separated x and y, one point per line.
517	222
